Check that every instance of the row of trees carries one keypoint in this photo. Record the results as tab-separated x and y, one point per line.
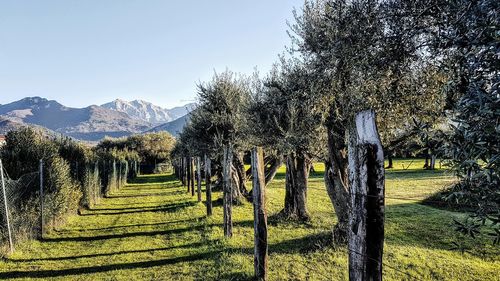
428	68
75	175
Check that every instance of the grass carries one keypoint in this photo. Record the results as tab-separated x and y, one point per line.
152	229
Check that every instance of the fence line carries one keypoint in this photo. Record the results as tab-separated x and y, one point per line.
27	205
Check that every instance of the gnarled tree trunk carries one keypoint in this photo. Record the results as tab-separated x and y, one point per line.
337	180
275	164
239	177
297	173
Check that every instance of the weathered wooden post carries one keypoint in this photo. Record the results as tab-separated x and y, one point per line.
208	186
184	170
227	190
198	180
188	173
181	172
259	214
191	171
366	223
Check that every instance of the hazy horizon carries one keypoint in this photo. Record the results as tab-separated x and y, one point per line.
93	52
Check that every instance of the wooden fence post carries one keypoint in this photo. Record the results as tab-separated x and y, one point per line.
188	173
191	171
227	190
183	171
260	215
198	180
366	223
208	186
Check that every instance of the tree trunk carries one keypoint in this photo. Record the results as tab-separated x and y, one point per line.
366	223
426	164
273	169
297	174
239	177
389	159
337	180
432	165
270	172
208	186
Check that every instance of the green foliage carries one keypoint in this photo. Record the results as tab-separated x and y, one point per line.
219	118
150	148
471	46
285	114
21	155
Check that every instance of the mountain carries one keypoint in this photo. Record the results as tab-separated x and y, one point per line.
89	123
146	111
173	127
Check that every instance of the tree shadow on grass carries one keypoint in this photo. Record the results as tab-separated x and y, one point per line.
306	244
149	186
198	219
141	207
193	245
240	276
167	208
124	235
279	219
150	179
415	224
152	194
106	268
142	203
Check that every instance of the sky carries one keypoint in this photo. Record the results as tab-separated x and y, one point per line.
94	51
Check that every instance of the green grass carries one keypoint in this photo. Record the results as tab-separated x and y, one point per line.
152	229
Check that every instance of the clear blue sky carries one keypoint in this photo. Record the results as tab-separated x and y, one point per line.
83	52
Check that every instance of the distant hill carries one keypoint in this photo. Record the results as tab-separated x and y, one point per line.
7	125
174	127
146	111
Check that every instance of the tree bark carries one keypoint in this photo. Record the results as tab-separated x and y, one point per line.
239	177
426	164
366	223
273	169
275	163
208	186
389	159
260	215
337	179
432	165
297	174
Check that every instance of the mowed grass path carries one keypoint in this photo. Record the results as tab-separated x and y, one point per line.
152	229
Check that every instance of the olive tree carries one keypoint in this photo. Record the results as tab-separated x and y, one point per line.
367	54
219	120
286	117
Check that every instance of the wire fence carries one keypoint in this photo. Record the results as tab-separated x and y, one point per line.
35	202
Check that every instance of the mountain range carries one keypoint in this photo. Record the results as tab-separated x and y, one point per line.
115	119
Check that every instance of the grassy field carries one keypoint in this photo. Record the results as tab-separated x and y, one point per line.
153	230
